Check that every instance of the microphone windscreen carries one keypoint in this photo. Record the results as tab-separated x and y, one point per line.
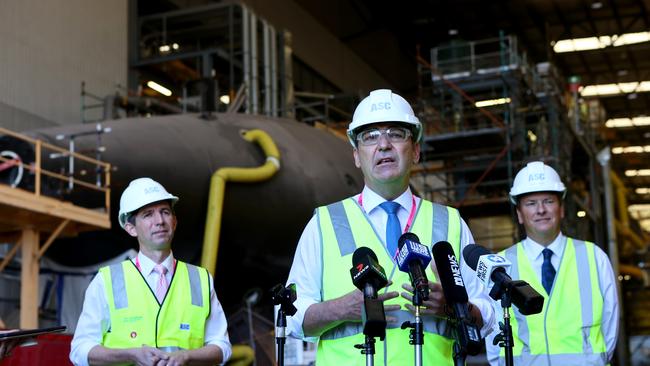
449	273
472	253
407	236
360	254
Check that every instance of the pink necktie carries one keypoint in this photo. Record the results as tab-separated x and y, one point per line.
162	285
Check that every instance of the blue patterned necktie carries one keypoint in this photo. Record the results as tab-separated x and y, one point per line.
548	272
393	227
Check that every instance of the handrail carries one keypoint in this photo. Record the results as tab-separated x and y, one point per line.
36	166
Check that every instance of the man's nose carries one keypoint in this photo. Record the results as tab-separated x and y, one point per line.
158	218
384	142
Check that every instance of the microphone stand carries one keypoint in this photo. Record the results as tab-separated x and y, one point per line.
368	349
416	334
281	337
283	296
504	338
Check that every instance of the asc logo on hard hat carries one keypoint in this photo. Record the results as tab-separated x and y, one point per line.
379	106
536	176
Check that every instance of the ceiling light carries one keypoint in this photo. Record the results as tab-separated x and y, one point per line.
596	5
594	43
453	32
637	149
628	122
643	190
159	88
225	99
175	46
581	213
614	89
491	102
164	48
531	136
637	173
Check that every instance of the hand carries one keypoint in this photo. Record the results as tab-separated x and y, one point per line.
352	304
149	356
178	358
436	303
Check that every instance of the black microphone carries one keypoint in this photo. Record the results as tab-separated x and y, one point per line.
491	270
368	276
453	287
413	258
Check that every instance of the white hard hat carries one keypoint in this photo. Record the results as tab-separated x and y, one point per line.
536	177
382	105
139	193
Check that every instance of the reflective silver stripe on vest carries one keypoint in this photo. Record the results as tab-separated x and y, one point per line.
120	300
342	228
567	359
522	323
195	284
440	223
432	324
586	305
171	349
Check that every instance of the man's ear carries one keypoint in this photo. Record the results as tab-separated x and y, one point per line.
520	217
355	153
416	153
130	228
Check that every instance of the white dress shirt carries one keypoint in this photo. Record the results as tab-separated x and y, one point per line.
95	319
306	271
606	279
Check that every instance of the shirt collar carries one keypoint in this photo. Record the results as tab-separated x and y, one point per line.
372	200
146	264
534	249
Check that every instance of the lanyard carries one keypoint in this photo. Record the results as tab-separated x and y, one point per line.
411	214
137	264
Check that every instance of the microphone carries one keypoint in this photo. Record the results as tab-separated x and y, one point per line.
492	269
453	287
413	258
368	276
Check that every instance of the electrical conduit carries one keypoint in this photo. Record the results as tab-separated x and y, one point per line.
218	188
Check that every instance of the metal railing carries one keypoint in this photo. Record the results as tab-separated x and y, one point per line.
40	148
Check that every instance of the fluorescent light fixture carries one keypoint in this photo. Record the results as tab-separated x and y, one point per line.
159	88
164	48
581	213
631	149
594	43
637	173
225	99
628	122
614	89
644	190
491	102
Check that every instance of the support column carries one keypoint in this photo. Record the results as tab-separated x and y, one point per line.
29	279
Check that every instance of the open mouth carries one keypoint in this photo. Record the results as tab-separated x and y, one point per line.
385	161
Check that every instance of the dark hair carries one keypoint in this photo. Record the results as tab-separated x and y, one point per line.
130	218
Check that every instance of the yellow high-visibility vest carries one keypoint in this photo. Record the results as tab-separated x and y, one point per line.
568	330
138	319
344	227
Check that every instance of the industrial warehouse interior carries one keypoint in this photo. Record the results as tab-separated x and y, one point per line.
242	110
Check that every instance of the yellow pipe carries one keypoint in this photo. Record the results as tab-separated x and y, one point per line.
218	188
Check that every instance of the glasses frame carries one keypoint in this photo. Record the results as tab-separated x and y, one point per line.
384	131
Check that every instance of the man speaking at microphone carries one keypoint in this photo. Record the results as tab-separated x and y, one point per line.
578	324
385	135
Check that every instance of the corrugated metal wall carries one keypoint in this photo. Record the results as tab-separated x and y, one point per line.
47	48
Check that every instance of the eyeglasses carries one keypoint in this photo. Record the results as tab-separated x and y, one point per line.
395	134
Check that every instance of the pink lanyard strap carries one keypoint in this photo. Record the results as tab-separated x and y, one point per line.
137	264
411	214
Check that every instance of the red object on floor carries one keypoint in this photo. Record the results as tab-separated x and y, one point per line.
51	350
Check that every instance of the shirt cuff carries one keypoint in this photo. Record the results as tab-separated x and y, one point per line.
294	323
487	312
